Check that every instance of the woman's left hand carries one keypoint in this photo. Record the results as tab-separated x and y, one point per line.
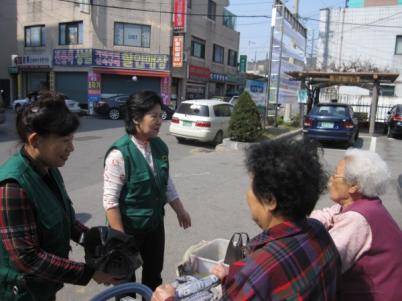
184	219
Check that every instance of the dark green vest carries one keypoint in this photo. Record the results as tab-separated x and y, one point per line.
54	218
143	198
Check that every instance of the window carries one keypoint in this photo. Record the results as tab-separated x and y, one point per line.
71	33
211	10
219	54
198	48
35	36
222	110
193	109
126	34
232	58
398	45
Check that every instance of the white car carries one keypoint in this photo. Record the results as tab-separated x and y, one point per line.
205	120
71	104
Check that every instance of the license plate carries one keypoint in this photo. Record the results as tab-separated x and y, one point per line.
327	125
187	123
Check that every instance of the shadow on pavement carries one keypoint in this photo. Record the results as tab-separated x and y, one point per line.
83	217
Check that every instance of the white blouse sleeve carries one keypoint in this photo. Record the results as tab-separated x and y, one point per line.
171	193
114	178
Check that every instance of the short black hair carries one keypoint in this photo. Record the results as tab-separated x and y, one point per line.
45	116
289	171
137	106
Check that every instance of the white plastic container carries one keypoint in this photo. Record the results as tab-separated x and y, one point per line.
203	258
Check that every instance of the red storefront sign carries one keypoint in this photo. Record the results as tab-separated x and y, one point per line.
178	43
200	72
179	15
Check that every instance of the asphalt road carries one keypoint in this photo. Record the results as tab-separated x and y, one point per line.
212	185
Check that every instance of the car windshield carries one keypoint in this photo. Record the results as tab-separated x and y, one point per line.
330	111
193	109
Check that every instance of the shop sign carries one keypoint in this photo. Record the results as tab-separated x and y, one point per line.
72	57
34	60
243	63
165	90
178	43
179	15
108	58
218	77
94	86
199	72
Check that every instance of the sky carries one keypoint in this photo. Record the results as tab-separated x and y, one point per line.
254	32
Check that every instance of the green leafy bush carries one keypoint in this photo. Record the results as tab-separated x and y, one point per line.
245	123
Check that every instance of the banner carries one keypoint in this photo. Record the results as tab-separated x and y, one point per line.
108	58
165	90
178	45
179	15
257	91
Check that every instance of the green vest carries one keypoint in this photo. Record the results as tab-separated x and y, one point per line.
143	197
54	219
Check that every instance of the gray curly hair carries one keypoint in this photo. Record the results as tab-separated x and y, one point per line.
368	170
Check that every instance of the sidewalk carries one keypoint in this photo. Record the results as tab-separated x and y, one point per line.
272	133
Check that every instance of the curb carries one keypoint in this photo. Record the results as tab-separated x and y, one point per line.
236	145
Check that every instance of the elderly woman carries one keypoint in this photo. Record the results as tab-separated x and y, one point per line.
368	240
293	258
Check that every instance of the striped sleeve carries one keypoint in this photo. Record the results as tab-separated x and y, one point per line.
18	231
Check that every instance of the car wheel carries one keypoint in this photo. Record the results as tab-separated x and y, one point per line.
218	138
357	136
17	108
180	140
114	114
164	115
389	132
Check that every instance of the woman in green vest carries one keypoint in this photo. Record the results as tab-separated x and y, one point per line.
37	220
137	184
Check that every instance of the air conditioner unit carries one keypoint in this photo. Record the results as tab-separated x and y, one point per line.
13	60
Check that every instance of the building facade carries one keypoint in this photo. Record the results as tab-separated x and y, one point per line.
83	51
365	34
206	46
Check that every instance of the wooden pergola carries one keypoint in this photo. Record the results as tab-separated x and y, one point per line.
313	81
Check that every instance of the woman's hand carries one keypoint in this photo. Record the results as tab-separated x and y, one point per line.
182	215
104	278
220	271
163	292
184	219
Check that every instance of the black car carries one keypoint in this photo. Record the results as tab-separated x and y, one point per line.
115	107
393	124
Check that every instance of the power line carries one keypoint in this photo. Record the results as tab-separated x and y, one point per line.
162	11
357	24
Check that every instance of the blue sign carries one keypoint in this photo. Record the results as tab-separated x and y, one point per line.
218	77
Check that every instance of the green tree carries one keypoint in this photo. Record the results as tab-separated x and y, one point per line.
245	123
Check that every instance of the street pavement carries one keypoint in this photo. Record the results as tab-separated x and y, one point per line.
211	183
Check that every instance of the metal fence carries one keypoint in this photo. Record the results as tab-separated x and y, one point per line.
361	104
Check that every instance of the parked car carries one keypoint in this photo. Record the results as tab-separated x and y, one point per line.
393	124
205	120
331	122
114	107
21	103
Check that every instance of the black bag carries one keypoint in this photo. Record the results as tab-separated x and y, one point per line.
112	252
237	247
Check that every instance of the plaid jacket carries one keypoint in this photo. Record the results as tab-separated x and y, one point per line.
291	261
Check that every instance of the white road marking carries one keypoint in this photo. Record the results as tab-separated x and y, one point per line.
373	144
